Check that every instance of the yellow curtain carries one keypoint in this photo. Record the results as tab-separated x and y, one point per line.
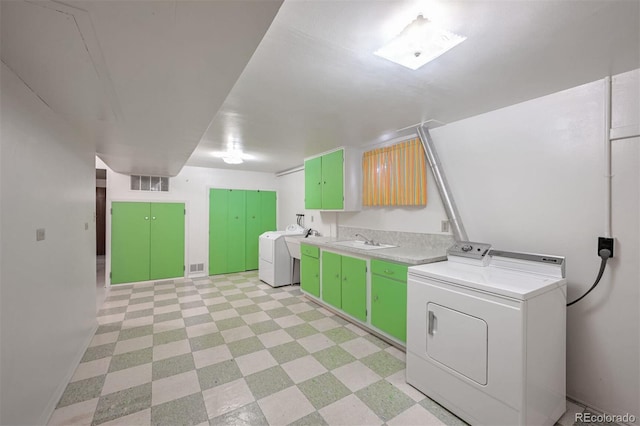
395	175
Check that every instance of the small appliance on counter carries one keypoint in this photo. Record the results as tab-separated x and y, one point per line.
275	262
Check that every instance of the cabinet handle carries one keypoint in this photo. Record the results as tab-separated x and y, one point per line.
344	279
338	276
325	182
154	218
431	325
253	217
236	217
375	299
388	271
146	218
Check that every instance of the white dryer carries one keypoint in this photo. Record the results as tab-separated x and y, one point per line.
275	264
486	335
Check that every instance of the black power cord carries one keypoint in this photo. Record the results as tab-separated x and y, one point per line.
604	254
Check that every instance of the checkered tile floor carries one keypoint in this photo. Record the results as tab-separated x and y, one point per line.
230	350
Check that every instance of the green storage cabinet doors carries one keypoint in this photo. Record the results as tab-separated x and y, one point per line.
147	241
167	241
237	218
333	181
324	182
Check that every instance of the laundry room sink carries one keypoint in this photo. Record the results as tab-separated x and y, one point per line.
361	245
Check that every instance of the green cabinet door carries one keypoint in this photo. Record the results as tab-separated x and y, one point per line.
267	211
310	274
236	231
313	183
218	230
130	234
167	241
333	181
253	228
389	306
332	279
354	287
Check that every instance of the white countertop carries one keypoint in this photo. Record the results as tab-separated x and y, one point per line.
408	255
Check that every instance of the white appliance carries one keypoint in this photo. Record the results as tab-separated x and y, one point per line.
275	264
486	335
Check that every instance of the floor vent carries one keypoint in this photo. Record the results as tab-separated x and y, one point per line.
196	267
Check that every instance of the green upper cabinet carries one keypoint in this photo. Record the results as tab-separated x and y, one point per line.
332	278
354	287
167	240
237	218
389	298
310	269
313	183
332	181
147	241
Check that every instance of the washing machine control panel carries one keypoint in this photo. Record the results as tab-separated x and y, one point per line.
469	249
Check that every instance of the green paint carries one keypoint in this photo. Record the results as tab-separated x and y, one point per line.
354	287
147	241
218	230
130	234
253	227
332	278
310	274
333	181
389	306
313	183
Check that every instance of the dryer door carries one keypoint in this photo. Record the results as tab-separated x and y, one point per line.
458	341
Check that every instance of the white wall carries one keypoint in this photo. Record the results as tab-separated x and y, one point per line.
48	292
529	177
190	186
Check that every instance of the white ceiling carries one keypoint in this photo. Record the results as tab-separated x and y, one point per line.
145	79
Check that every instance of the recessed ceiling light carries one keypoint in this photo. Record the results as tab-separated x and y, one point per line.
418	43
232	156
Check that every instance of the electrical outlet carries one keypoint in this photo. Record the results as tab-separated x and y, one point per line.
444	226
39	234
311	218
605	243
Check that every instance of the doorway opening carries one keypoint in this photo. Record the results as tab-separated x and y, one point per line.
101	228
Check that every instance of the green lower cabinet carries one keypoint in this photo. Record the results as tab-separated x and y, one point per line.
332	278
389	299
310	275
253	228
354	287
344	283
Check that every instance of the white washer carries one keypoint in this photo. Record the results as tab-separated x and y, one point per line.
275	263
486	335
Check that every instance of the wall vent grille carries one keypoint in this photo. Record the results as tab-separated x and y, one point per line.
196	267
149	183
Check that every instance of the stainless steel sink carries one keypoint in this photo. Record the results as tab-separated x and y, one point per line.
361	245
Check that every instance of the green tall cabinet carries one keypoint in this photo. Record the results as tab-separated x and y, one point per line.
147	241
236	219
344	283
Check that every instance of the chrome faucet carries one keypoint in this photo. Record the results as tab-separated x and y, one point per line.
368	241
